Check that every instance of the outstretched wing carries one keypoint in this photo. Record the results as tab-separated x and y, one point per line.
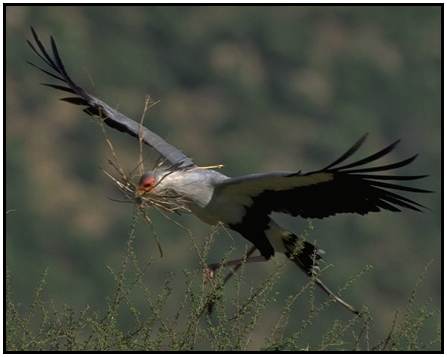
97	107
335	189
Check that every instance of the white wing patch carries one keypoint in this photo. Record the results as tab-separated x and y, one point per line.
256	184
231	198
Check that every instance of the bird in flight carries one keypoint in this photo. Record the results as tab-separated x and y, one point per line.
244	204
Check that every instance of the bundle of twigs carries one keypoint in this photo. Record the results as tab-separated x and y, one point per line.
165	200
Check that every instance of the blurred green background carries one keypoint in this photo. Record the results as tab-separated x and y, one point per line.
255	88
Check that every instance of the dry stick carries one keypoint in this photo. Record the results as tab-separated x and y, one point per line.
116	165
123	188
158	163
147	105
190	235
137	166
140	134
166	202
157	240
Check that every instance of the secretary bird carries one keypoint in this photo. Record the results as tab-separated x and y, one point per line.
244	204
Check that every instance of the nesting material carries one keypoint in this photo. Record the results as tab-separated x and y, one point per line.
164	200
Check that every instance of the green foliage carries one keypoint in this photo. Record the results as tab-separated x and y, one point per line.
152	326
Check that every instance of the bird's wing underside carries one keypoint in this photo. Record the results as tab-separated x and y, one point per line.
96	107
346	188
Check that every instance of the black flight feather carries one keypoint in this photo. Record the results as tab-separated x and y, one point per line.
94	106
334	189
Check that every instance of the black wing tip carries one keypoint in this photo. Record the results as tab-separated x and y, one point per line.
362	139
393	145
418	177
30	43
353	169
394	202
410	159
58	87
420	208
371	158
33	31
391	177
75	100
351	151
396	186
56	69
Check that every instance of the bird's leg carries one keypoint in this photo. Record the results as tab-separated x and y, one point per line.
233	263
337	298
236	264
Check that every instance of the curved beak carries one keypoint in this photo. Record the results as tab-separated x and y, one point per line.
140	191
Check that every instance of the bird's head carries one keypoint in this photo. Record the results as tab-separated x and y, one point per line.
159	188
148	181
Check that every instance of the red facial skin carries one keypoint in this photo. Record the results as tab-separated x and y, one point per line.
147	184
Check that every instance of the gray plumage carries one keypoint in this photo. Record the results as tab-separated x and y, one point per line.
245	203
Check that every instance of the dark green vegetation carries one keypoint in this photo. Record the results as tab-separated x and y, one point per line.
239	312
256	89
